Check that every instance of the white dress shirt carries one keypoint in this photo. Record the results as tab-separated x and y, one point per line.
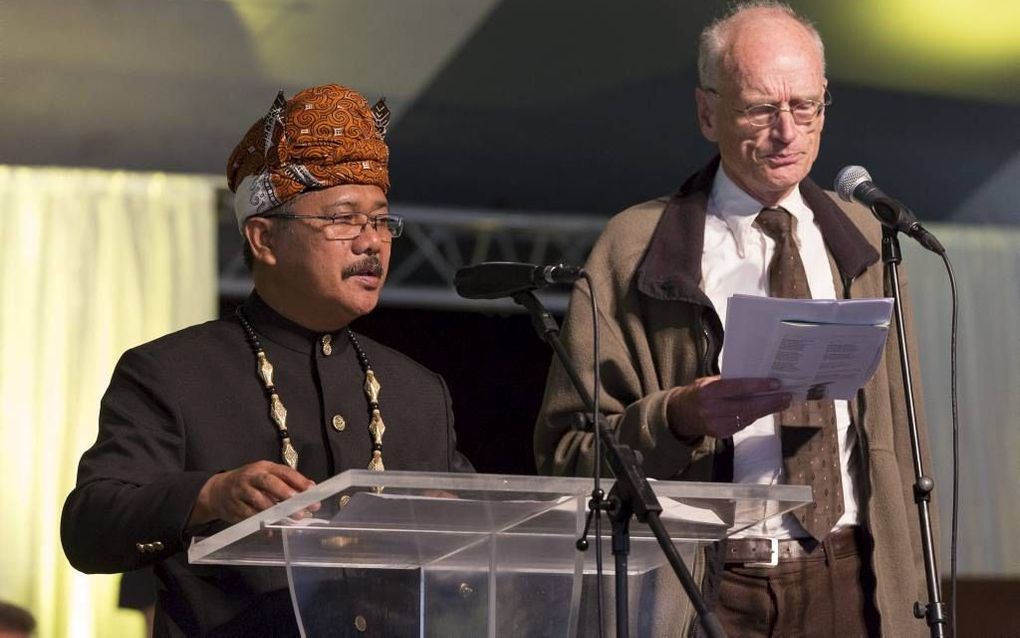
735	261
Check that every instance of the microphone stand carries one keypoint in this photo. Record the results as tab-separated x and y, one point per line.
934	611
631	495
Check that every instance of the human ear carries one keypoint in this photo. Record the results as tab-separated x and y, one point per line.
706	114
258	232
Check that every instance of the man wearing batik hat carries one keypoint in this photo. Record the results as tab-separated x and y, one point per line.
190	435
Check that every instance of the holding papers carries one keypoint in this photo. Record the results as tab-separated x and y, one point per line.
817	348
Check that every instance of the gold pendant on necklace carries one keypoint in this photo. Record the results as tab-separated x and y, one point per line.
376	464
289	454
278	412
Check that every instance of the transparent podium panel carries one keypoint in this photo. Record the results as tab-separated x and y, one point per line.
435	554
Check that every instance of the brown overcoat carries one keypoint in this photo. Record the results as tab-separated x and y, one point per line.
658	330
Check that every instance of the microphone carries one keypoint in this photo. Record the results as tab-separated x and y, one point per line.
496	279
853	183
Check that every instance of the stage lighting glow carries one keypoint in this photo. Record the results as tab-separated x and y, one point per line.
969	33
946	47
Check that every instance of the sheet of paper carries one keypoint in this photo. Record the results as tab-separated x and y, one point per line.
817	348
672	510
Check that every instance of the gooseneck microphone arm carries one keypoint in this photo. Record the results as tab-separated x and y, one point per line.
631	495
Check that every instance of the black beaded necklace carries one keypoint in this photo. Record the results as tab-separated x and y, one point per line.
278	413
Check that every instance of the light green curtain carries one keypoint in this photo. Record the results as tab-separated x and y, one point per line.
986	260
91	263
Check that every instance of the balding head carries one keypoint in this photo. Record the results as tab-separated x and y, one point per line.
771	19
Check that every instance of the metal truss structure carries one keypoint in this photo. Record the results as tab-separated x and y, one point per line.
438	241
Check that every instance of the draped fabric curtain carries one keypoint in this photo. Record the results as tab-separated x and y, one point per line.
986	261
91	263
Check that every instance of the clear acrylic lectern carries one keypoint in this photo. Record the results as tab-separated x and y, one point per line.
436	554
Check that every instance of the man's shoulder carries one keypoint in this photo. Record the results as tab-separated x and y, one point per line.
381	355
633	226
860	216
626	235
199	340
643	215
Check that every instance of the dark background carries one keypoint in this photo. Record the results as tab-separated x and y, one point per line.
495	367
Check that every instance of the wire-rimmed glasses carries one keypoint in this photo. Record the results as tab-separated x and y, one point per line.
804	112
351	225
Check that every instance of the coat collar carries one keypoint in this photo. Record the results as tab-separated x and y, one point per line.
671	267
273	326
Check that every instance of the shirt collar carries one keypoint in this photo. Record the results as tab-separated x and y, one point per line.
734	206
670	269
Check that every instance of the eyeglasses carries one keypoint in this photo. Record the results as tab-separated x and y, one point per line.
803	111
351	225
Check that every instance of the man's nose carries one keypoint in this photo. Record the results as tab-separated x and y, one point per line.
369	240
784	128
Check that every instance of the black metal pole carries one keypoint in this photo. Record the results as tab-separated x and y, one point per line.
619	515
934	610
631	490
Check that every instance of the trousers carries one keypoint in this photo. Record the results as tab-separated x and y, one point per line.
829	591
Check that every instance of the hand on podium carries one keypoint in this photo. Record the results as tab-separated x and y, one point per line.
235	495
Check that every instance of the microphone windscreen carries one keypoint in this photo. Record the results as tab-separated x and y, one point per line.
848	179
494	279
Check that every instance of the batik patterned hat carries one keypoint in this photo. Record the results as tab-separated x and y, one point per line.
323	136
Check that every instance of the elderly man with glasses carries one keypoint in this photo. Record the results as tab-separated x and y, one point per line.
207	426
752	222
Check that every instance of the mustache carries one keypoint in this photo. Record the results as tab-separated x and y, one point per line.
370	265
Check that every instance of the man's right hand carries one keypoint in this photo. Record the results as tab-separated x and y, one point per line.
235	495
717	407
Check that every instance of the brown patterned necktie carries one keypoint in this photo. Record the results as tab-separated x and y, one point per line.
807	430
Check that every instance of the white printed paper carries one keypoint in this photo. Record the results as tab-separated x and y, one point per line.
816	348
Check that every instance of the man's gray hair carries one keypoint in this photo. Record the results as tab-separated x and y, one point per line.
715	38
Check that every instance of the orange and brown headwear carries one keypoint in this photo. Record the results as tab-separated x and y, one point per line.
323	136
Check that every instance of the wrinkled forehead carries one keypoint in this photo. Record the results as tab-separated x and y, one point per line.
771	53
